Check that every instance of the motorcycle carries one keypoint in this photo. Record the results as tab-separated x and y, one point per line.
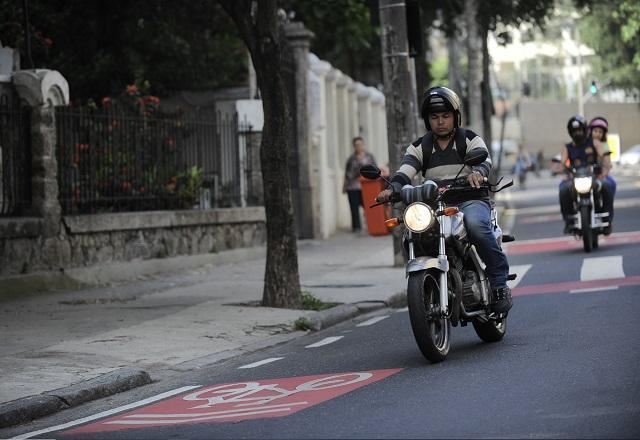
588	223
446	284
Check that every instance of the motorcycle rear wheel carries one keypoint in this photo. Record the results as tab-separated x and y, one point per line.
587	232
490	331
431	334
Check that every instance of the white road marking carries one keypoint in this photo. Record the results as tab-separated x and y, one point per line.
372	321
519	270
262	362
601	268
325	341
404	309
107	413
594	289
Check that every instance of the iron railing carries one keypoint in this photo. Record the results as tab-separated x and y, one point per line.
15	158
114	162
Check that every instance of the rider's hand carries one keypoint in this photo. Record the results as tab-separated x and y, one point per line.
384	196
475	179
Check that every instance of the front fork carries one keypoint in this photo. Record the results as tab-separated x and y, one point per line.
442	256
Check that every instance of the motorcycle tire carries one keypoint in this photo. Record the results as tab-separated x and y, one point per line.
595	240
432	335
491	331
587	232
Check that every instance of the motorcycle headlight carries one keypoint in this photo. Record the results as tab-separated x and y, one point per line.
418	217
582	184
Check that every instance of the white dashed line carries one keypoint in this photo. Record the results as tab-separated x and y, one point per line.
325	341
372	321
594	289
262	362
108	413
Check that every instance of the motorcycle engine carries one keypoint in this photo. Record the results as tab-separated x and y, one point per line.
471	294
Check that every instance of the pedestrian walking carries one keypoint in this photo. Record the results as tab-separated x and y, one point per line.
351	184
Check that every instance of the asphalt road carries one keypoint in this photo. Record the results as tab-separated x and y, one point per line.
568	366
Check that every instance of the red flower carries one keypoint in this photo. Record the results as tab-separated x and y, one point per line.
126	185
132	89
48	42
106	101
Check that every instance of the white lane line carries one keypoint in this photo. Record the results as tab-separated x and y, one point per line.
404	309
262	362
519	270
601	268
325	341
594	289
107	413
372	321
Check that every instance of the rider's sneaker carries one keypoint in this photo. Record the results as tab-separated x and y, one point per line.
607	229
501	300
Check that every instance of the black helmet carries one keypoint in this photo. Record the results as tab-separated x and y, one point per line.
440	99
576	121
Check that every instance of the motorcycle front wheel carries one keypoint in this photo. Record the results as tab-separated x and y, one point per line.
587	232
430	330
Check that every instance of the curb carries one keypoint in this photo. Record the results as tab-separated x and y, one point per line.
30	408
335	315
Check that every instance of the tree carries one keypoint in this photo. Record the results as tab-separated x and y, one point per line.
101	46
612	29
263	34
345	35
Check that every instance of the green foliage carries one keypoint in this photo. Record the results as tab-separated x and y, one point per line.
344	35
189	184
302	324
613	31
101	46
310	302
439	72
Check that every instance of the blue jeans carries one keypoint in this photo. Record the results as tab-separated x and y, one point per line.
477	221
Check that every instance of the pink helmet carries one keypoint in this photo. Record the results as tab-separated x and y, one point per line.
599	121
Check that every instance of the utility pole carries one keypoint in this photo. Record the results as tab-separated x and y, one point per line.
399	90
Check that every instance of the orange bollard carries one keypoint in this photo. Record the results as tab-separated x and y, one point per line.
377	215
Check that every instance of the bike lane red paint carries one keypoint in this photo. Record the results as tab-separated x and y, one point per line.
566	243
234	402
575	285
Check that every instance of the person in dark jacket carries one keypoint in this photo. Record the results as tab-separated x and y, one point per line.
351	184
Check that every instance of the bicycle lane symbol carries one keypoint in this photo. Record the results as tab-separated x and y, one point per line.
238	401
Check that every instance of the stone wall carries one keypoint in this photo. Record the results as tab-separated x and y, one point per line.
89	240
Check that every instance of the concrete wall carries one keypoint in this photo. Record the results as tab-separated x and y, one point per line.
544	123
339	110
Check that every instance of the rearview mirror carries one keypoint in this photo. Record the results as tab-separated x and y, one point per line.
475	157
370	172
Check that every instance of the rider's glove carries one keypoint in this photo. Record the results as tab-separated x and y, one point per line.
391	194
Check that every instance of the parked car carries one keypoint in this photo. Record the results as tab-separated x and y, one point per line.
631	156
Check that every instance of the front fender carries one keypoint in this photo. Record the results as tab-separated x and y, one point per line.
424	263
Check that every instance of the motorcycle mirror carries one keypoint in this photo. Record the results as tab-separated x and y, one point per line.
370	172
475	157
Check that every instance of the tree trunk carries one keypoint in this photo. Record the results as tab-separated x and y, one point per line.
263	34
474	54
453	47
400	93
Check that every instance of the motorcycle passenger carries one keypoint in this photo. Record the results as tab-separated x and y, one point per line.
598	128
581	151
439	155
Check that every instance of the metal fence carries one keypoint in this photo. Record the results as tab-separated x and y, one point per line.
15	158
114	162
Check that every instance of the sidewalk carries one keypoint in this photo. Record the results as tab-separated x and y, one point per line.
179	320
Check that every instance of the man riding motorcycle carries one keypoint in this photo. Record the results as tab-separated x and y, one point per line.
582	152
439	155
